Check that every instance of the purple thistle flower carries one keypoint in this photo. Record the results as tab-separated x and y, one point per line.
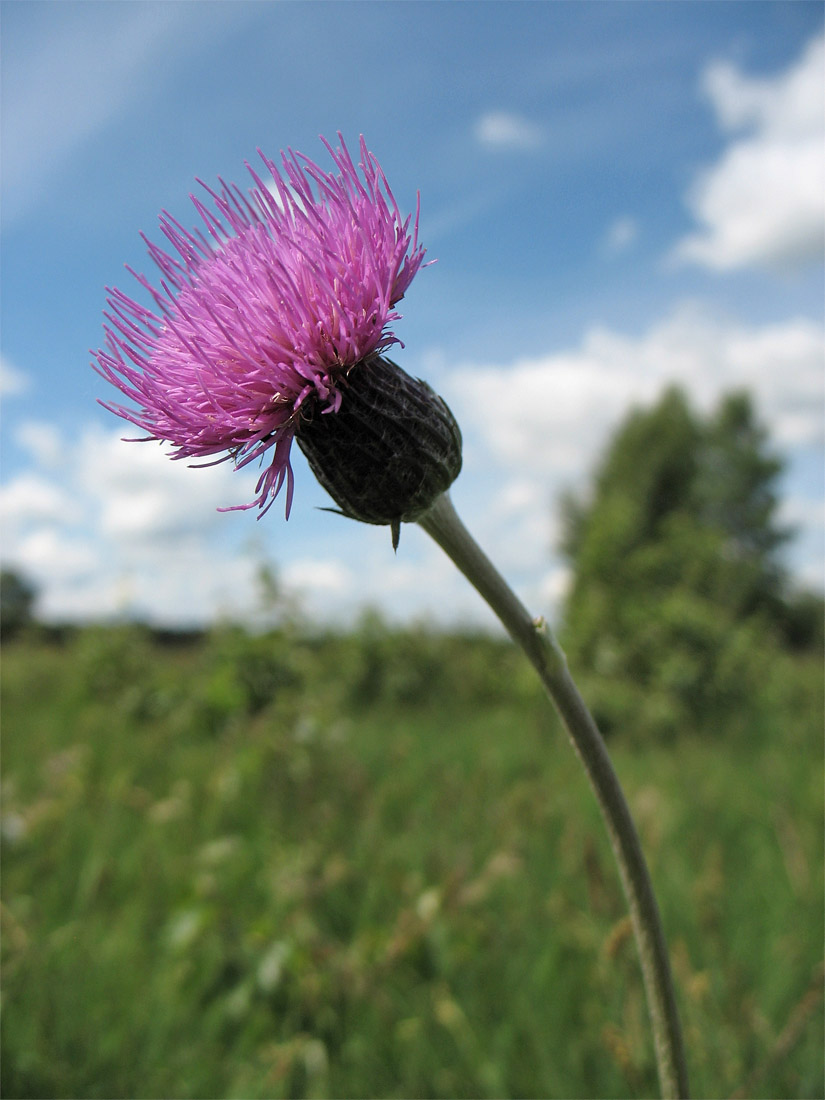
288	290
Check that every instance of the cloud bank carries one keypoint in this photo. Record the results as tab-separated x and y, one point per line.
107	528
550	414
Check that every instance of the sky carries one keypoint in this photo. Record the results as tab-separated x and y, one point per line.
619	197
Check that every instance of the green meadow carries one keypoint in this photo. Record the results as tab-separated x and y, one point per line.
368	865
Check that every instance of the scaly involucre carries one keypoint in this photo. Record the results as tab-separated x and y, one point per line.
288	289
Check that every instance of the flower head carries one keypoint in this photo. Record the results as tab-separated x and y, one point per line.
390	452
262	313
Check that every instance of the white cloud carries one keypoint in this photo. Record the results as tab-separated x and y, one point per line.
120	529
142	494
419	582
788	104
30	497
535	427
551	413
763	202
116	528
554	586
621	234
46	550
504	130
12	379
798	510
314	577
42	440
805	516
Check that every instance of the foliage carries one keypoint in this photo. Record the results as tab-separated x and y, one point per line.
679	609
303	865
17	598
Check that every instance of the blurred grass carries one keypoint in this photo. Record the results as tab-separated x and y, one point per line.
296	866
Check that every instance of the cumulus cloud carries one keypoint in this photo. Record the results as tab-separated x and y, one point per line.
112	528
140	494
763	202
507	131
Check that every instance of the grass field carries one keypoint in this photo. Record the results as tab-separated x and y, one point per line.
370	866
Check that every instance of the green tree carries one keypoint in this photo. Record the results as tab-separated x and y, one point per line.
678	592
17	598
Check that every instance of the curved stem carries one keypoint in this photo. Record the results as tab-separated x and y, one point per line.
443	524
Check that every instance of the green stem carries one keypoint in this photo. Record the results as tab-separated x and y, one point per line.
443	524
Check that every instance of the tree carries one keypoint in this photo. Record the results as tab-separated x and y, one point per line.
678	585
17	598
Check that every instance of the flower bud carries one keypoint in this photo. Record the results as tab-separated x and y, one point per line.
392	448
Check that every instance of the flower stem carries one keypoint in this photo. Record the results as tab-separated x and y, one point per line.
443	524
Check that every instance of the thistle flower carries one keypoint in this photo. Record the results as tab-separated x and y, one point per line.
265	316
274	330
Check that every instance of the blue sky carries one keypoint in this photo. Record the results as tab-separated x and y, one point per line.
618	196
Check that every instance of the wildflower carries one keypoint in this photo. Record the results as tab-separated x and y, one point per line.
263	317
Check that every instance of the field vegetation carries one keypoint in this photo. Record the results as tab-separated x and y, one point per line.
368	865
303	863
